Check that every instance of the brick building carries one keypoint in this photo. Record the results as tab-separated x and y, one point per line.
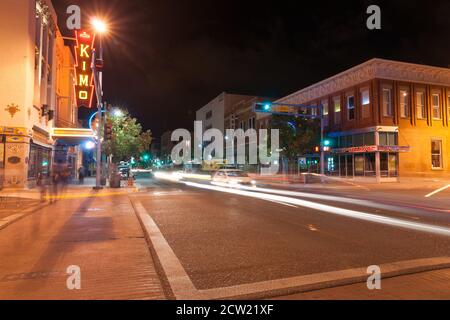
385	119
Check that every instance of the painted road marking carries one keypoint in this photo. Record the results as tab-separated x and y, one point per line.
283	203
437	191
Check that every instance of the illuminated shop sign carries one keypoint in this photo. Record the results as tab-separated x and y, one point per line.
84	88
372	149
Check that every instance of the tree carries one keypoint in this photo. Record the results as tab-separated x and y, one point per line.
127	139
298	135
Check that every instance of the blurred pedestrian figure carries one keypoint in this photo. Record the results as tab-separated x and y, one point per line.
42	184
54	186
64	180
81	175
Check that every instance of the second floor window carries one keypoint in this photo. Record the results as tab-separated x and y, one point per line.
435	99
448	107
209	114
365	103
351	107
420	105
387	102
337	110
404	103
326	111
251	123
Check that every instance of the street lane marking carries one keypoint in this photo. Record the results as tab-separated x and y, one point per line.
334	210
285	204
437	191
184	289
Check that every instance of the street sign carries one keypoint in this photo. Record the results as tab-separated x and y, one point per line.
84	87
285	109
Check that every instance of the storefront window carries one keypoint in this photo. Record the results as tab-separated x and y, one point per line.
393	164
388	164
359	165
2	152
39	161
369	164
342	167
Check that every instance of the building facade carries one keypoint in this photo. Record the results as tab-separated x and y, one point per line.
213	113
385	119
35	87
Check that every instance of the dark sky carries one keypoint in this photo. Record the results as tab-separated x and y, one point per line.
167	58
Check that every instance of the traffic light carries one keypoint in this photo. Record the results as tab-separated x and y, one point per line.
263	107
316	149
146	157
108	131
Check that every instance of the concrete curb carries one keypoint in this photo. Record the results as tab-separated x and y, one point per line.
4	222
184	289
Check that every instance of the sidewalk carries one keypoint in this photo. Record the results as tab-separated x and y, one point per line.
100	233
426	285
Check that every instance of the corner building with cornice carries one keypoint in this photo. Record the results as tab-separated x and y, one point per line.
385	119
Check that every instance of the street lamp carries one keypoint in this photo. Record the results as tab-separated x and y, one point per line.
117	112
100	28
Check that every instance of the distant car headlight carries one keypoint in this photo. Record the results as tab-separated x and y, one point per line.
253	182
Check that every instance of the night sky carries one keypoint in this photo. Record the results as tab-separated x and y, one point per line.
165	59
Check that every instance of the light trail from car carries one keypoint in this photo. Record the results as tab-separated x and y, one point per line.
328	208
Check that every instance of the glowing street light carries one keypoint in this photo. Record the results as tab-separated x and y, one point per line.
89	145
117	112
99	25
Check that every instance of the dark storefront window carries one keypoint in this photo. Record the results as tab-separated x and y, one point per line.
359	165
2	152
388	164
369	164
39	161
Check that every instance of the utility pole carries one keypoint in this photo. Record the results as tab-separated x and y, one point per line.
99	93
322	146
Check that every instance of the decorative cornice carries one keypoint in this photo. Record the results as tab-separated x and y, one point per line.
374	68
43	11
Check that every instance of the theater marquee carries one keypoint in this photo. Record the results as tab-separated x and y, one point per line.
84	88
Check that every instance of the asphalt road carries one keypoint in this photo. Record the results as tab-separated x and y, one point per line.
224	239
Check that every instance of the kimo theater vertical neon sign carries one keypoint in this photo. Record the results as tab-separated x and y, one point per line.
84	88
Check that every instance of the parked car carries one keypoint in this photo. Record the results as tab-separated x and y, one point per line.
233	176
